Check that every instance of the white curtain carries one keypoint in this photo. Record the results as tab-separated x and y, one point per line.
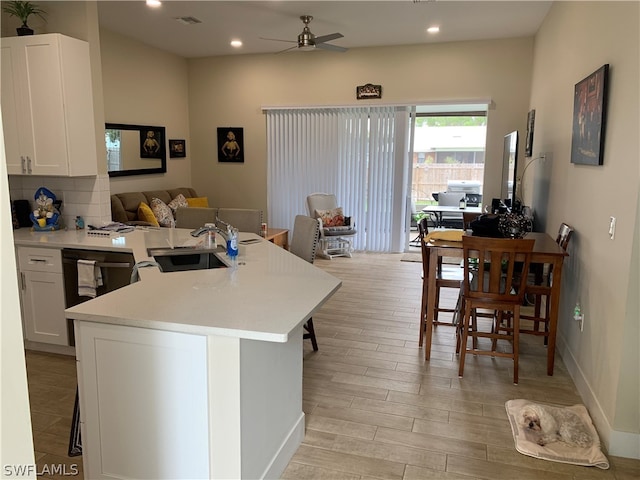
350	152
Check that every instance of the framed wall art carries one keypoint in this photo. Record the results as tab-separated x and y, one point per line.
230	144
177	149
368	91
589	118
152	142
528	146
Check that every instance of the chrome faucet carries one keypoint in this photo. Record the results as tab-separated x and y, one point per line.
212	227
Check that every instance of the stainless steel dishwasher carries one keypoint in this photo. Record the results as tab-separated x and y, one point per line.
116	268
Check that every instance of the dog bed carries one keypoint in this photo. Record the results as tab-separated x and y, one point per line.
556	451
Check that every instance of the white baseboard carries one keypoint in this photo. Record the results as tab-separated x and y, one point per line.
286	451
616	443
50	348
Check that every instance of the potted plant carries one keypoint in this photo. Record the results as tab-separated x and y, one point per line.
23	10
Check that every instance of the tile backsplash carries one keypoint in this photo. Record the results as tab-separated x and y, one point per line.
88	197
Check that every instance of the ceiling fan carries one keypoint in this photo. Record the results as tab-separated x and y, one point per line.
308	41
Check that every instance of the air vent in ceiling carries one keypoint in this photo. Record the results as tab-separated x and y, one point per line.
188	20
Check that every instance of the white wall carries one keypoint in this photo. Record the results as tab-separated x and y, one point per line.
16	444
229	91
146	86
576	39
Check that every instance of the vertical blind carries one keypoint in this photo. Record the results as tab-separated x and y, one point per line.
349	152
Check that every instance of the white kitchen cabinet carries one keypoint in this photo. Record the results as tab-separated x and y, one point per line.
47	106
164	404
42	295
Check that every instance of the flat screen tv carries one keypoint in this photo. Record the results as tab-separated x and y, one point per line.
509	166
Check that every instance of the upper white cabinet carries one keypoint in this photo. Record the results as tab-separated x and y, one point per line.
47	106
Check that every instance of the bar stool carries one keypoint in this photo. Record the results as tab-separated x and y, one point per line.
489	272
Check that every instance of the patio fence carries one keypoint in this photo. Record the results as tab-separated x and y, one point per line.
432	178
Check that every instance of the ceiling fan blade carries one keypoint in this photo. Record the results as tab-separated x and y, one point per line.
328	46
277	40
328	38
287	49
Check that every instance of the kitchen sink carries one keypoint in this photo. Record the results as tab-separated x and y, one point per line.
180	259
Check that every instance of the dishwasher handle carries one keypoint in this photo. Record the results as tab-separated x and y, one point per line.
104	264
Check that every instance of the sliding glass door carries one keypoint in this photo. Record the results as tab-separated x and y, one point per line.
447	154
383	163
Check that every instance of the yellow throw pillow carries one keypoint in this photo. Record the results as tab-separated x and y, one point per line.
199	202
145	214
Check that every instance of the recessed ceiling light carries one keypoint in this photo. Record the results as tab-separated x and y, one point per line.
433	29
153	3
236	43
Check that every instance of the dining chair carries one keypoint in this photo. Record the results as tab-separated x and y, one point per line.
451	199
304	244
489	273
442	281
539	285
244	219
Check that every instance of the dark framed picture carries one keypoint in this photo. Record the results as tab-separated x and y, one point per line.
589	118
528	146
368	91
230	144
152	143
177	149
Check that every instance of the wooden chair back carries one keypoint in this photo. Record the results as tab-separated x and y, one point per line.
490	269
423	230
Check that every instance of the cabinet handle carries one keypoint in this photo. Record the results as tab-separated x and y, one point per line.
29	165
38	260
24	166
23	280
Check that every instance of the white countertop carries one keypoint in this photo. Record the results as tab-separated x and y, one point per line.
269	294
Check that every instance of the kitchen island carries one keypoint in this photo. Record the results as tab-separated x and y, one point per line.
194	374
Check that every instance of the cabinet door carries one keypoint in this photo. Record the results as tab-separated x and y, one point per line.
143	391
10	94
43	307
44	130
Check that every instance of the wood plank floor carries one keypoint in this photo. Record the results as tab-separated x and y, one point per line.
374	408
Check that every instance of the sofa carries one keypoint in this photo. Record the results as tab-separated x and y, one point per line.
125	207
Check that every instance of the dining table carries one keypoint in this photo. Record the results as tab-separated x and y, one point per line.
468	213
545	251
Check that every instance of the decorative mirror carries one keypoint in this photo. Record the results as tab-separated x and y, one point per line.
509	166
135	149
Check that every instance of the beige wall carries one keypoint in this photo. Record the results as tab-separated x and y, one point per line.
576	39
146	86
230	91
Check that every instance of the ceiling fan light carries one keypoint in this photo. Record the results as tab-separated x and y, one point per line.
306	39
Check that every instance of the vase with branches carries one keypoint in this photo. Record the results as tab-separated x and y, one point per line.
23	10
